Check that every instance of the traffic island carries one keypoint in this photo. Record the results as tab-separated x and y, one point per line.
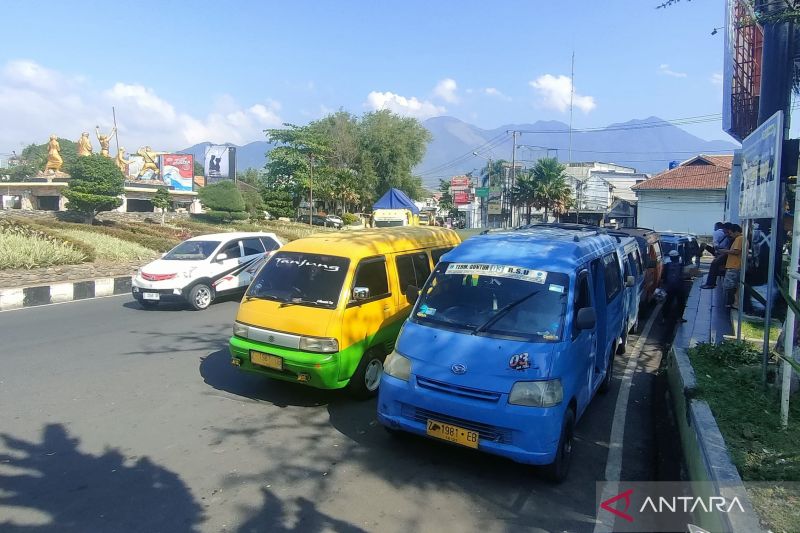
19	297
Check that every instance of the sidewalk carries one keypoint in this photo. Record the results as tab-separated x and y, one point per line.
707	319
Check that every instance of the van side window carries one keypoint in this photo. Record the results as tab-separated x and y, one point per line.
612	275
371	274
412	269
656	251
639	264
583	297
635	271
437	254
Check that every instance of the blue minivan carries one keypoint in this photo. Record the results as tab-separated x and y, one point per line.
633	273
509	340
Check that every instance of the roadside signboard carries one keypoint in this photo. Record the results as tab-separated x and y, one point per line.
460	198
459	182
482	192
495	200
761	161
177	171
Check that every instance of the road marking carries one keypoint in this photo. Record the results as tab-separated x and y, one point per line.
615	440
63	303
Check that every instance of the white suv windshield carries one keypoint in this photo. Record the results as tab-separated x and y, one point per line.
495	300
192	251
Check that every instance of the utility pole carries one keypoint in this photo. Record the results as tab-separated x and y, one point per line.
514	134
311	192
571	97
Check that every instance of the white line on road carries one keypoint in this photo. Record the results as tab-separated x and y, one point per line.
62	303
615	440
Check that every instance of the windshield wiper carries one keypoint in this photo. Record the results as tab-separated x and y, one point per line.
300	301
248	297
501	313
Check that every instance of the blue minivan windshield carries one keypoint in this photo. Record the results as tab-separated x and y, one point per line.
495	300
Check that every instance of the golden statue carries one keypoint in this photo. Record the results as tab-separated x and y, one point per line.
150	160
84	144
54	161
104	140
121	162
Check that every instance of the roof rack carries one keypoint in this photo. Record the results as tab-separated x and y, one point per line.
570	226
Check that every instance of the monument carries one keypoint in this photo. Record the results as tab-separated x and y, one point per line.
54	161
84	145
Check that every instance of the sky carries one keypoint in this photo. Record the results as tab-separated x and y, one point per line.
180	73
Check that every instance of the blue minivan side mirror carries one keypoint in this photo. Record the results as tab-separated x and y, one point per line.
586	318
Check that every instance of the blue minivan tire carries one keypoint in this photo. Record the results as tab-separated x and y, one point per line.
557	471
605	385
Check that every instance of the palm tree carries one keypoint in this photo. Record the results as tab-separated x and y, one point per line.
552	190
525	193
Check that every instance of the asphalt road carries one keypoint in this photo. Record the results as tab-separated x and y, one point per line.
113	418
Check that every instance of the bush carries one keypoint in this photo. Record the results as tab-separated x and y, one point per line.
94	186
110	248
350	218
279	204
26	251
37	231
254	205
728	353
159	243
220	217
222	196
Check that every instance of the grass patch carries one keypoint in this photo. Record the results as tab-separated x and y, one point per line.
748	415
30	251
110	248
755	330
286	231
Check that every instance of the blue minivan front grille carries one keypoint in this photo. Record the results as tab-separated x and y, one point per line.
486	431
458	390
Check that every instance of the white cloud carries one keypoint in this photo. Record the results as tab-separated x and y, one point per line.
554	93
716	78
664	69
491	91
446	90
407	106
38	102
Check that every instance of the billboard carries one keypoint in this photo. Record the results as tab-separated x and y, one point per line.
459	182
220	163
495	200
761	161
461	197
177	171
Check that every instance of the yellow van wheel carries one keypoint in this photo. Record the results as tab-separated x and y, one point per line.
367	377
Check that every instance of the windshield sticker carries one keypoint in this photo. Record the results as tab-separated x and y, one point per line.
520	361
546	335
498	271
557	288
424	310
328	268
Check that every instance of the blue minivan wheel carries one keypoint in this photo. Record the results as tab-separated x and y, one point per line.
606	384
557	471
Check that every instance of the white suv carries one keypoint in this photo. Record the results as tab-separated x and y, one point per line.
201	268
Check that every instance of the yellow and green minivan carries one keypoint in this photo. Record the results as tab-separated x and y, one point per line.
326	310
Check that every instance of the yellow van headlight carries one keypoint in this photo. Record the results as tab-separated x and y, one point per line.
398	366
319	344
536	393
240	330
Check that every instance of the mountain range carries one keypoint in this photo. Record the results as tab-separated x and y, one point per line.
647	145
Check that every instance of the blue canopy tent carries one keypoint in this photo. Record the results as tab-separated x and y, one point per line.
396	199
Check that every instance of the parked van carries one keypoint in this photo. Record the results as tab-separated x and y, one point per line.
325	310
686	244
651	255
510	339
633	274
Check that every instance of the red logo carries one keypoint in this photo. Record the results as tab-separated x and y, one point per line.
621	496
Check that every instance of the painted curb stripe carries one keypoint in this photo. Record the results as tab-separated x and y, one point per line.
16	298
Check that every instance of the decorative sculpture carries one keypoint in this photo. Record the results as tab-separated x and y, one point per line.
54	161
122	163
104	140
84	144
149	161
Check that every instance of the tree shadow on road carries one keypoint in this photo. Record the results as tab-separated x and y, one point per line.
52	486
273	516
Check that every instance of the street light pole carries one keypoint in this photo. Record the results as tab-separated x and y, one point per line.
485	200
311	192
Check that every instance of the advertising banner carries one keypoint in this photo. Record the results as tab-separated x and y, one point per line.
177	171
220	163
761	161
460	198
459	182
495	200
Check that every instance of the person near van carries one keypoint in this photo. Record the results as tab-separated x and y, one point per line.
716	238
718	264
733	265
673	285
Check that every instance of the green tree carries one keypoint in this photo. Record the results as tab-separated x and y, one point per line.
552	191
223	201
95	186
446	201
279	203
494	175
163	201
526	193
198	169
249	176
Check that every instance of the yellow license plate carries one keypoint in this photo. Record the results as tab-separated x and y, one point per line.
267	360
452	433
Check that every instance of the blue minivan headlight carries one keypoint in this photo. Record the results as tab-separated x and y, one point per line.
398	366
536	393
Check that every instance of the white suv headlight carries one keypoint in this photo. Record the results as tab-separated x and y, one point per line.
398	366
319	344
536	393
240	330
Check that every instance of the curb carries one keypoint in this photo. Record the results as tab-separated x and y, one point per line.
68	291
704	450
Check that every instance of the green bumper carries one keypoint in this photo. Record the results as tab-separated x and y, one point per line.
319	370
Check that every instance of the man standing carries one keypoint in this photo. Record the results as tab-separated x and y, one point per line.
733	265
673	284
722	241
